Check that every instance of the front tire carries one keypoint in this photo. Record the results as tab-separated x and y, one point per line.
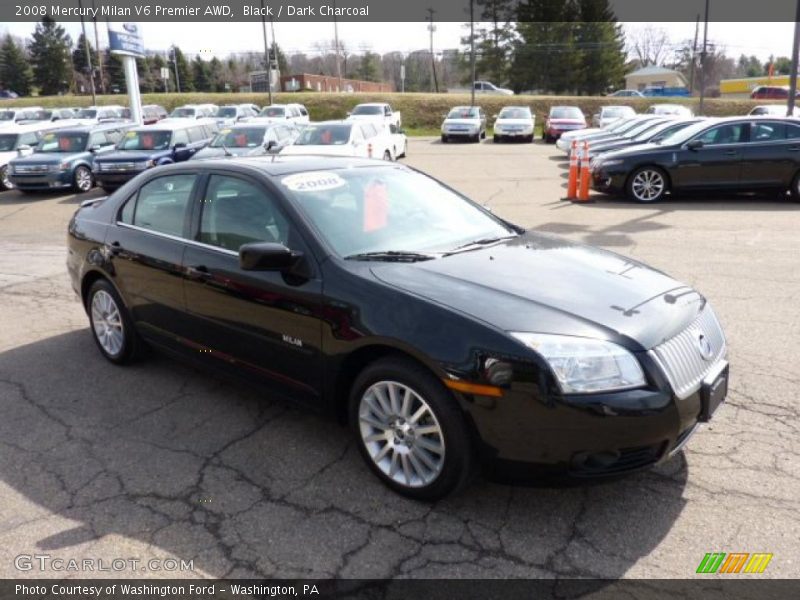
410	430
82	180
387	156
5	182
795	189
647	184
112	327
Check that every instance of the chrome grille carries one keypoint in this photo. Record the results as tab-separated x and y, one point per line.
23	169
680	357
116	166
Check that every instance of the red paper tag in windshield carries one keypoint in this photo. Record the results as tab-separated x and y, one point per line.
376	206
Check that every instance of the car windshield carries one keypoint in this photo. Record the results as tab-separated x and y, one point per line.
7	115
515	113
324	135
272	111
463	112
667	126
366	109
249	137
8	142
145	140
43	115
566	112
87	113
642	128
617	111
183	113
389	209
227	112
679	137
63	141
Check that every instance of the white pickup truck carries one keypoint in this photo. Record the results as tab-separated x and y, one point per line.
375	111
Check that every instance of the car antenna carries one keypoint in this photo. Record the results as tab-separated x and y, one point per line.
227	152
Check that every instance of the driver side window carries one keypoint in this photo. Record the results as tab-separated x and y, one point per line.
237	212
724	134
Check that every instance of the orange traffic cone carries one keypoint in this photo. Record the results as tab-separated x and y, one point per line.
583	192
572	183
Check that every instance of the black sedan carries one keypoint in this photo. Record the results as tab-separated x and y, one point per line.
445	336
733	154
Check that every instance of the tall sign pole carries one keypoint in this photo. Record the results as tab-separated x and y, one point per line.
793	75
703	56
472	50
89	68
266	52
99	54
125	40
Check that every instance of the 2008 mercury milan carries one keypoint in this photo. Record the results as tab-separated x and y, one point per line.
446	336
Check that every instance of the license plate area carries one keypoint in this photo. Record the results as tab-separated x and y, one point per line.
713	392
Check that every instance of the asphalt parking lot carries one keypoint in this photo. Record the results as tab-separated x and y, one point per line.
160	460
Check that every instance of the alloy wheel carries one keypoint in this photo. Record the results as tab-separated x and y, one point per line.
401	434
107	323
83	179
4	178
648	185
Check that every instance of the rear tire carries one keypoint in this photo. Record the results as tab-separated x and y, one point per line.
795	189
444	139
410	430
111	325
496	139
387	156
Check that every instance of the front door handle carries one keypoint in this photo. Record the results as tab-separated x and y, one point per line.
793	148
198	273
731	152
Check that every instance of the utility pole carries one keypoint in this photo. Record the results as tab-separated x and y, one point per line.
703	62
703	55
336	42
175	62
274	47
99	54
472	50
694	54
267	61
795	53
88	55
432	28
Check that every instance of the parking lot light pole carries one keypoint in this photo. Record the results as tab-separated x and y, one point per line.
795	53
266	53
703	55
472	50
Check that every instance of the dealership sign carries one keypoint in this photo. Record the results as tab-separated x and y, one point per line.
125	39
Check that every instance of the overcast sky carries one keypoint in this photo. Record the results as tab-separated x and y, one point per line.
221	39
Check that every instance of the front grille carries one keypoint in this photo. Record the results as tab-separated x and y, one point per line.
616	463
116	166
680	357
26	169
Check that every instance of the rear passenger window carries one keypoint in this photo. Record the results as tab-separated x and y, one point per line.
161	204
180	137
792	132
28	139
196	134
768	132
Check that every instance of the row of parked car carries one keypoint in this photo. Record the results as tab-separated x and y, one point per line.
76	154
647	157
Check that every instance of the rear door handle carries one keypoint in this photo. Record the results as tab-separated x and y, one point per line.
793	148
731	152
199	273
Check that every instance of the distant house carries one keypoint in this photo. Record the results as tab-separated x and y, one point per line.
654	77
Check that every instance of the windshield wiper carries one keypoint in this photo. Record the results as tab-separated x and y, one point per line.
479	243
392	255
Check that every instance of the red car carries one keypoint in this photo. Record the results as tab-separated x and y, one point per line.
771	92
560	120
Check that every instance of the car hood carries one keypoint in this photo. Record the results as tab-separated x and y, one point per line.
545	284
566	122
7	156
329	149
48	158
524	122
472	122
586	132
209	152
638	149
128	155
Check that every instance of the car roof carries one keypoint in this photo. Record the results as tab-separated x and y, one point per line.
519	107
277	165
171	125
28	127
90	128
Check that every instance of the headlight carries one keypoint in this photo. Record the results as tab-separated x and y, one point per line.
64	166
607	163
149	163
583	365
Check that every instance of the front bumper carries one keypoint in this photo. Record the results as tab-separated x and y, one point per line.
608	182
466	133
530	433
42	181
114	179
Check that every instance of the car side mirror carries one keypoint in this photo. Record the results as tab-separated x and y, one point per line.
695	145
179	146
95	148
267	256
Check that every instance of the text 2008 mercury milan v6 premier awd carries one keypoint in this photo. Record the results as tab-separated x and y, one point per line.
446	336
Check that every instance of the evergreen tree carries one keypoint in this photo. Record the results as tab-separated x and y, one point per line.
202	82
79	56
369	69
493	43
50	57
184	71
115	73
601	42
215	75
15	72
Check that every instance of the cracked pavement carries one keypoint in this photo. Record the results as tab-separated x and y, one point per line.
162	460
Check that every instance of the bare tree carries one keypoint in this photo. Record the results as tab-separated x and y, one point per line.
649	46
